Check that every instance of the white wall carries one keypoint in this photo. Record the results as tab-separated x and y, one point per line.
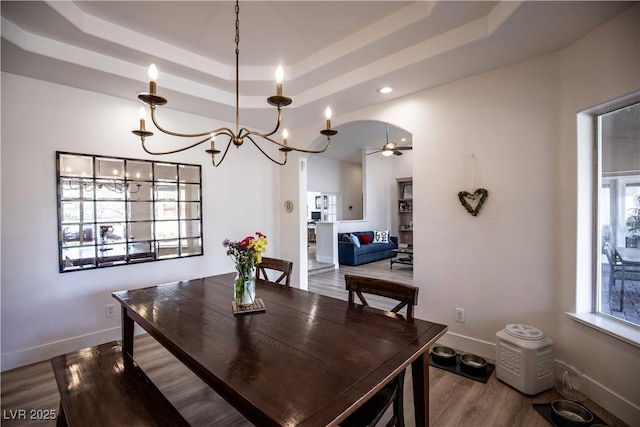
333	176
352	195
516	261
380	173
380	208
395	167
45	313
498	266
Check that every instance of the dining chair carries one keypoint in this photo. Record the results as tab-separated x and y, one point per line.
372	411
282	266
615	268
617	271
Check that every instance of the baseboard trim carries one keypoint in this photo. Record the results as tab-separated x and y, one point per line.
609	400
469	345
325	259
49	350
604	397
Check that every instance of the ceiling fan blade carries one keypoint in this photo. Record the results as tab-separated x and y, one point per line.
397	153
374	152
404	148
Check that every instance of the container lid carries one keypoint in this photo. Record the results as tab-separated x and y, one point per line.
524	332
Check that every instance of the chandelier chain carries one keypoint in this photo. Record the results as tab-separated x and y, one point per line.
237	28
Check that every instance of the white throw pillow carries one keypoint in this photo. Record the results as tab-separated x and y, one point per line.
355	240
381	236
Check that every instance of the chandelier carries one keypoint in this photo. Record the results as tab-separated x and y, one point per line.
111	185
236	137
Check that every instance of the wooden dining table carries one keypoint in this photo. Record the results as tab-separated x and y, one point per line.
307	360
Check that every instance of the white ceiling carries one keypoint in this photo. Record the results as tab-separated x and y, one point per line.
334	53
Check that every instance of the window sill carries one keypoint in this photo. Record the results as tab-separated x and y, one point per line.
627	333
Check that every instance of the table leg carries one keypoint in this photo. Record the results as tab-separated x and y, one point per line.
420	374
127	336
61	421
622	289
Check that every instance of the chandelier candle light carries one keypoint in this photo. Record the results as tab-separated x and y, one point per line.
236	137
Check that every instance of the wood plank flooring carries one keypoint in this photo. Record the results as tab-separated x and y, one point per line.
331	282
454	400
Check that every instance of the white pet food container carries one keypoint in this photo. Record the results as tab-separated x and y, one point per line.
524	358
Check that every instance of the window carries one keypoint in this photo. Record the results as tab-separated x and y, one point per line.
617	239
115	211
330	207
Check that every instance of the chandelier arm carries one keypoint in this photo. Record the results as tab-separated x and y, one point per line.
244	131
302	150
213	162
157	153
289	147
266	155
186	135
71	187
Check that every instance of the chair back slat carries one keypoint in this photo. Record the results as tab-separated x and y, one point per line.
609	254
406	295
362	299
283	266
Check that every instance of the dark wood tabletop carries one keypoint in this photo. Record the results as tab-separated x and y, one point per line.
308	360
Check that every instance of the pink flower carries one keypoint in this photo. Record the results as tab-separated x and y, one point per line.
247	252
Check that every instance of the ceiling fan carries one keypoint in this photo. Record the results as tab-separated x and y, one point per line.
391	148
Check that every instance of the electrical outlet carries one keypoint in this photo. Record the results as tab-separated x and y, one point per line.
460	315
110	310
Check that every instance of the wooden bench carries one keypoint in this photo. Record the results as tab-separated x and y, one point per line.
96	388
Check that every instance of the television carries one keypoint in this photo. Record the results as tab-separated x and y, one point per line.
316	215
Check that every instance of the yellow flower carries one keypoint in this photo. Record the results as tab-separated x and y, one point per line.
247	252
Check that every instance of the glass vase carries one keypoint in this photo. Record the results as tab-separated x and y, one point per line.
244	288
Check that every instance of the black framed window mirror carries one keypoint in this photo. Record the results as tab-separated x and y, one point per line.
116	211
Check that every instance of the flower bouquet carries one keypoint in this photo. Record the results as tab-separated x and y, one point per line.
246	254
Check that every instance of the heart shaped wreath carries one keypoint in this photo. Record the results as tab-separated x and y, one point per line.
479	196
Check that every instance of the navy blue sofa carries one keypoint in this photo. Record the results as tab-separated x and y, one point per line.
350	254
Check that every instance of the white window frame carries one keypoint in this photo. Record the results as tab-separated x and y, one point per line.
588	236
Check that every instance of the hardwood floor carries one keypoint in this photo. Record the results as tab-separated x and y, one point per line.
331	282
454	400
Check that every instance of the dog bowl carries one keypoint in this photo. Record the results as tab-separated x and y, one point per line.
472	364
443	355
566	413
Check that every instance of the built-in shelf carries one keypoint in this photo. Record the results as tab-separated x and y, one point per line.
405	210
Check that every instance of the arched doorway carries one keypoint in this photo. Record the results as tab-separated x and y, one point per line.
359	179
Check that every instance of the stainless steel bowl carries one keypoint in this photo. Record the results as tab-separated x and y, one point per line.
472	364
566	413
443	355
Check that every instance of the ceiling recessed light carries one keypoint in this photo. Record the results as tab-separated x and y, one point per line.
385	89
